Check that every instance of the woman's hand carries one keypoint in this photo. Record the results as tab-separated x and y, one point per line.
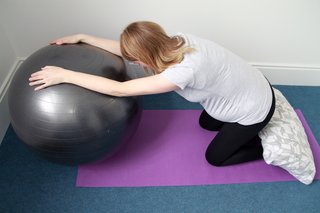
72	39
105	44
48	76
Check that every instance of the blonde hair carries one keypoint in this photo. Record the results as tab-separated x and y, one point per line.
147	42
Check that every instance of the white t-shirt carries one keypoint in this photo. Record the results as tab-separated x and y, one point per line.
228	88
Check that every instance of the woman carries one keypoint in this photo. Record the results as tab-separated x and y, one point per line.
237	99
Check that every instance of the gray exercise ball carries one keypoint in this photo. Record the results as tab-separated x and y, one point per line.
65	123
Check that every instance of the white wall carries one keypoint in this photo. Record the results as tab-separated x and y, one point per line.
281	37
7	59
7	55
284	32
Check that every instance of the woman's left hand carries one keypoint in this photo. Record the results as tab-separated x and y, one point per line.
48	76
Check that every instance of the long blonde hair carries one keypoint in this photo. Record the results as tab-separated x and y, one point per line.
147	42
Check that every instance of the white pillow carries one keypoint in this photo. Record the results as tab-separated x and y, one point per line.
285	143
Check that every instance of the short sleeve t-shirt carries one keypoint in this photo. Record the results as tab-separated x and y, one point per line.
229	89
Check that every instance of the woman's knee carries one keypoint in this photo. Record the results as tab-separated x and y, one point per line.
243	154
213	159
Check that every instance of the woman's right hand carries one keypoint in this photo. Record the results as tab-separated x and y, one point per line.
72	39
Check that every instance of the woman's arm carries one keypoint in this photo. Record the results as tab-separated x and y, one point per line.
105	44
50	75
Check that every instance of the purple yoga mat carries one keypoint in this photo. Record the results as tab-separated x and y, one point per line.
168	150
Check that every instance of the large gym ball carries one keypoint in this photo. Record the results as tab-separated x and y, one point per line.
69	124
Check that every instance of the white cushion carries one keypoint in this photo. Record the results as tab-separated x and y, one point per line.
285	143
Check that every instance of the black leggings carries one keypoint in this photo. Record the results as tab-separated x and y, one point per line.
234	143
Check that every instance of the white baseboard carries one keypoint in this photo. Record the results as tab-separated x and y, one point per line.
290	75
4	110
277	74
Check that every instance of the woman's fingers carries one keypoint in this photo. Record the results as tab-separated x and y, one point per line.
57	41
42	82
47	76
33	83
35	77
38	78
35	74
41	72
41	87
72	39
